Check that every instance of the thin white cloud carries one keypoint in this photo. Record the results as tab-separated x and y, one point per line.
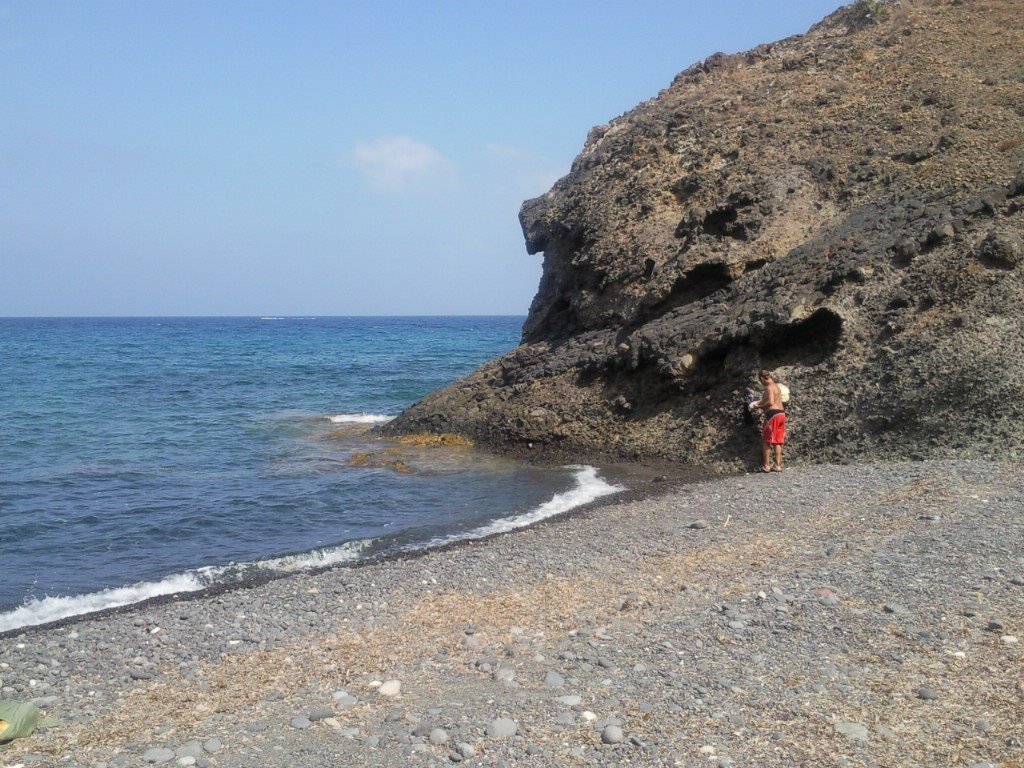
400	164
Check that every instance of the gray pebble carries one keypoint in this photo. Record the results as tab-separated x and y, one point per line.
422	730
897	608
698	525
553	680
301	722
926	693
465	750
343	700
213	746
157	756
189	749
504	675
502	728
612	734
438	736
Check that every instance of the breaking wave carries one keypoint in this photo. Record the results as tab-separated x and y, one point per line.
47	609
588	487
359	418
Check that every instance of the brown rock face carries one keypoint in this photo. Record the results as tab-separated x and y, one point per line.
844	207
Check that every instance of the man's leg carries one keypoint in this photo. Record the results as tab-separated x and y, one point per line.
766	451
778	456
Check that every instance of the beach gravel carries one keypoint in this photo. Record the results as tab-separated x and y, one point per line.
831	625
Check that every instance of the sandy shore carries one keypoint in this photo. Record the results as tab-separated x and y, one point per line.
848	616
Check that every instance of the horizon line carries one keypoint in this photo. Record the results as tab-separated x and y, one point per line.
235	317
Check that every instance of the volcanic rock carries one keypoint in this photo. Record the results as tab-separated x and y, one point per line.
843	207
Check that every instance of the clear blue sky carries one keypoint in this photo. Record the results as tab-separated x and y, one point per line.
314	158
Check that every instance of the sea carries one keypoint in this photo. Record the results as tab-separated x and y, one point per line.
151	456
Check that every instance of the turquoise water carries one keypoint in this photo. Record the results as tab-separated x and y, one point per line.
147	456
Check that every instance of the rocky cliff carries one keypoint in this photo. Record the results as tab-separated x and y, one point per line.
845	207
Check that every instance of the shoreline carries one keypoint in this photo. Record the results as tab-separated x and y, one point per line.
683	474
689	617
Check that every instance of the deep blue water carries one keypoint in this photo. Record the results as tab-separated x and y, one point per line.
157	452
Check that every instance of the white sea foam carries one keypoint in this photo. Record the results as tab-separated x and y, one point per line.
360	418
53	608
50	609
588	488
318	558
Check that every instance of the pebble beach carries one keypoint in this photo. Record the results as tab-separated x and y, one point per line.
863	615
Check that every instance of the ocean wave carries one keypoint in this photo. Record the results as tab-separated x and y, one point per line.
318	558
48	609
360	418
589	487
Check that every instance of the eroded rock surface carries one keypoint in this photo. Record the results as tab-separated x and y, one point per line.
845	207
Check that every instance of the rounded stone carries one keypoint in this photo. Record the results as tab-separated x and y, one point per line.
504	675
438	736
612	734
502	728
391	688
157	756
189	749
554	680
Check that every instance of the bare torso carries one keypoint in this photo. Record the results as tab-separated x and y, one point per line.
771	400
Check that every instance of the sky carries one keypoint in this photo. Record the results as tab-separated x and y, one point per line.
224	157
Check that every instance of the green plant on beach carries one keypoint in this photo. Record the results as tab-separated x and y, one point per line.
876	10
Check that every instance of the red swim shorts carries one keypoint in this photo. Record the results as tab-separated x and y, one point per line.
774	432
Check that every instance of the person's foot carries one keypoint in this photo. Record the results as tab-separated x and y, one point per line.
777	469
765	469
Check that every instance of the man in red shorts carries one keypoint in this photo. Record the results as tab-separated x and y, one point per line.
773	433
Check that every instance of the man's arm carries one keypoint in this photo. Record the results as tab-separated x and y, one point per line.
764	401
